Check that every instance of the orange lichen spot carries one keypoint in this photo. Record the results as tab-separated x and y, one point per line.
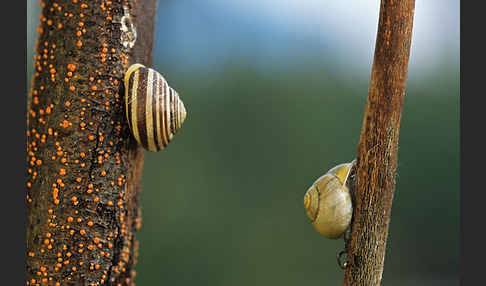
62	172
55	193
48	234
70	219
78	179
71	67
96	199
80	24
68	254
90	223
94	87
74	268
82	154
79	219
59	25
46	241
91	137
79	44
71	232
52	70
82	232
65	124
103	173
49	22
84	6
29	184
72	88
90	247
38	162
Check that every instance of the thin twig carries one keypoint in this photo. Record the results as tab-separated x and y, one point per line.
378	146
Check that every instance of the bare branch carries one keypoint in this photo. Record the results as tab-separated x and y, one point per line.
378	146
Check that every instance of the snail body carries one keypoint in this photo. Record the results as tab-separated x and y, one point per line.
154	110
328	202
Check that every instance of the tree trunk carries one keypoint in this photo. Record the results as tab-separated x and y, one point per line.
83	166
378	146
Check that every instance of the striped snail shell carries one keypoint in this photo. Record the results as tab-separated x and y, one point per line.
328	202
154	110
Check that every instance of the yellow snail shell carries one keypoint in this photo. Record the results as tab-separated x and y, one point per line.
328	202
154	110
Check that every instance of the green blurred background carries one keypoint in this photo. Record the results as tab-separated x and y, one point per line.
275	92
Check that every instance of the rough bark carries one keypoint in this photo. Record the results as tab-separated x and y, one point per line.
83	166
378	146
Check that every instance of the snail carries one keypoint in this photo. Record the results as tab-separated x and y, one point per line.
154	110
328	202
